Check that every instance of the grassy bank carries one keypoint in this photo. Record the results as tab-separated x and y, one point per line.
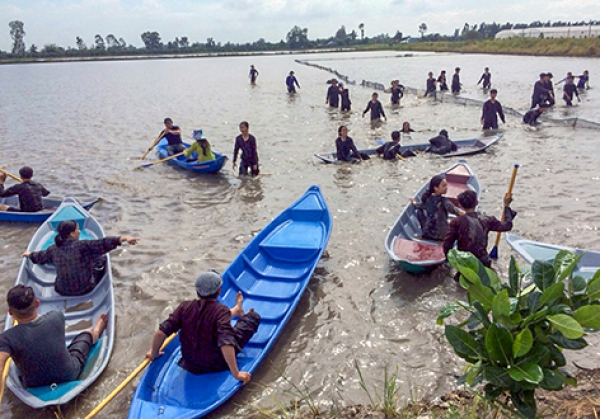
560	47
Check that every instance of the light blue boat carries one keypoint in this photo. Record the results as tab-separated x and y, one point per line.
272	272
79	311
531	250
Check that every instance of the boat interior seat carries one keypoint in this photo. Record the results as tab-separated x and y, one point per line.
417	250
56	391
455	189
270	268
68	213
267	288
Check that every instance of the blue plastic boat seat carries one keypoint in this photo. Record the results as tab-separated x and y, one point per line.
263	334
54	392
84	235
269	310
68	213
270	268
267	288
306	236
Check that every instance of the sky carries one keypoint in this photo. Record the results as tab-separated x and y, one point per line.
60	21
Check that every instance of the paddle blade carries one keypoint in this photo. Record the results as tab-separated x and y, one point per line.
494	253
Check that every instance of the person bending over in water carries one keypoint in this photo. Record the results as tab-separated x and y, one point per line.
569	89
333	94
208	341
532	115
430	89
470	231
486	78
391	149
253	74
433	210
491	110
442	144
37	343
201	147
80	264
376	108
345	97
247	144
290	81
30	193
345	148
173	135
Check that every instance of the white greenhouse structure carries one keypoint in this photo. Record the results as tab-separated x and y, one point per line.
588	31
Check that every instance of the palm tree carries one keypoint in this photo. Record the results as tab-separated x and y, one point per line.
362	30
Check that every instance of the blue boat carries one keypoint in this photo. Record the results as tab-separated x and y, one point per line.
79	311
50	206
272	272
531	250
211	166
404	243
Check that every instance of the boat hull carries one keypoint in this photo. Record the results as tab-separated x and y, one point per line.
404	243
79	311
50	205
272	272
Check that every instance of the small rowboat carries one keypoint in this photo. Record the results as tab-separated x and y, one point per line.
211	166
50	205
272	272
532	250
403	242
79	311
465	147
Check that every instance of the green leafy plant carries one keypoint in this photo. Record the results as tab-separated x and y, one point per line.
515	333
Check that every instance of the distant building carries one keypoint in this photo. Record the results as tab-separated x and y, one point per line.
588	31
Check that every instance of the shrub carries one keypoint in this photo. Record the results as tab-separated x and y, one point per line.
514	336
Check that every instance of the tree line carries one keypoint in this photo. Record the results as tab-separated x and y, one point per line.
297	38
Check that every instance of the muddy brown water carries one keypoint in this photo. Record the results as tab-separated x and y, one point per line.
83	125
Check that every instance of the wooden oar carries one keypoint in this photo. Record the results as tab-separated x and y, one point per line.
162	134
10	175
162	160
126	381
5	373
494	252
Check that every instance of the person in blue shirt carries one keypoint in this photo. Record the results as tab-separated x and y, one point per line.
584	80
442	81
173	135
290	81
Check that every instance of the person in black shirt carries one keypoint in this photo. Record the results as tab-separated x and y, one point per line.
456	86
486	77
30	193
376	108
173	135
345	96
246	142
390	149
346	150
569	89
442	81
430	85
548	86
441	144
333	94
406	129
491	110
584	80
540	93
253	74
397	91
